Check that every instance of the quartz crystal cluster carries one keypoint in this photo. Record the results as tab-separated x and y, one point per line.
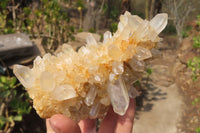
84	84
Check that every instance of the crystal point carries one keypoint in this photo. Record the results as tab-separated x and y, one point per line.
106	36
142	53
25	75
119	96
91	96
94	111
133	93
159	22
117	67
136	64
91	40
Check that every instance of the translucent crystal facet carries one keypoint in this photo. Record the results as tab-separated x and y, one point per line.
132	92
83	84
39	64
136	64
142	53
25	75
67	49
91	40
47	81
89	99
119	96
94	111
107	35
105	101
114	52
159	22
64	92
117	67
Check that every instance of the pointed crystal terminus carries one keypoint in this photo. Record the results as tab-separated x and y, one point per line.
25	75
133	93
159	22
107	35
91	40
91	96
142	53
94	111
137	65
119	96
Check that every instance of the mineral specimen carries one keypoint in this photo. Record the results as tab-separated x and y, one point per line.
83	84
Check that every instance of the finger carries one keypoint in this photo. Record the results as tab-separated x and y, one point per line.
62	124
87	126
49	129
125	122
109	122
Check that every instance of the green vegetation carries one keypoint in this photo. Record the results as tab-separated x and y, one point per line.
170	29
194	65
186	30
198	21
14	103
196	101
148	72
196	42
113	27
47	21
198	130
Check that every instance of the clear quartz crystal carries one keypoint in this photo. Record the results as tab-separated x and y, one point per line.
38	64
134	22
120	27
25	75
159	22
117	67
114	52
47	81
119	96
63	92
66	48
94	111
97	78
106	36
105	101
112	77
129	76
142	30
89	99
136	64
132	92
91	40
142	53
83	51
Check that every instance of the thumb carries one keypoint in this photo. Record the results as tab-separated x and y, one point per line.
62	124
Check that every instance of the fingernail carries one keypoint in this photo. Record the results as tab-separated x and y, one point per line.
56	130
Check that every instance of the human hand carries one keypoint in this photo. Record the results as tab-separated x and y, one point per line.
112	123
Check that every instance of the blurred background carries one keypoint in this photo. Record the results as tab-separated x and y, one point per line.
169	89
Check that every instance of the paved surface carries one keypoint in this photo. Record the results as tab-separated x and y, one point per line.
162	104
164	115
